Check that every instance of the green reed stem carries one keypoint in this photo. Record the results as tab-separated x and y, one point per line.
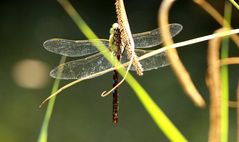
44	129
224	77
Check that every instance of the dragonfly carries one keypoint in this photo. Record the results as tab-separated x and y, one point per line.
91	61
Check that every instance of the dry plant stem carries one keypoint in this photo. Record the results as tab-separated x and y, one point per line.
232	104
230	61
214	85
189	42
216	15
127	43
238	112
150	54
176	64
73	83
106	93
126	36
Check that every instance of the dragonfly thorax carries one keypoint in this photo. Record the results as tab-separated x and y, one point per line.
115	44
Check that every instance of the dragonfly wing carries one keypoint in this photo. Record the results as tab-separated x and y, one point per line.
73	48
80	68
150	63
153	38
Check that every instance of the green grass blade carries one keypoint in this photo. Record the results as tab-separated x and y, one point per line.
224	78
162	121
44	129
155	112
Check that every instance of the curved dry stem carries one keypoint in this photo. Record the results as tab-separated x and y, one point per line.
172	55
73	83
104	94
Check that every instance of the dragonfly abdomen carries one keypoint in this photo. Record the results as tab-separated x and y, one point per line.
115	98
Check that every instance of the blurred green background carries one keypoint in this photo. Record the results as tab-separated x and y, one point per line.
80	113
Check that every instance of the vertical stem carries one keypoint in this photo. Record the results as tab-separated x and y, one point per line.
213	82
224	78
44	129
173	57
237	107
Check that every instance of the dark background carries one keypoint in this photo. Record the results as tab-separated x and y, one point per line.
80	113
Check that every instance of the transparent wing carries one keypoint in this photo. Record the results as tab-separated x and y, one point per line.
153	38
73	48
154	62
96	63
78	48
82	67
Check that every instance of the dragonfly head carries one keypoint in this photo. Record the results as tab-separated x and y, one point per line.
113	28
115	40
